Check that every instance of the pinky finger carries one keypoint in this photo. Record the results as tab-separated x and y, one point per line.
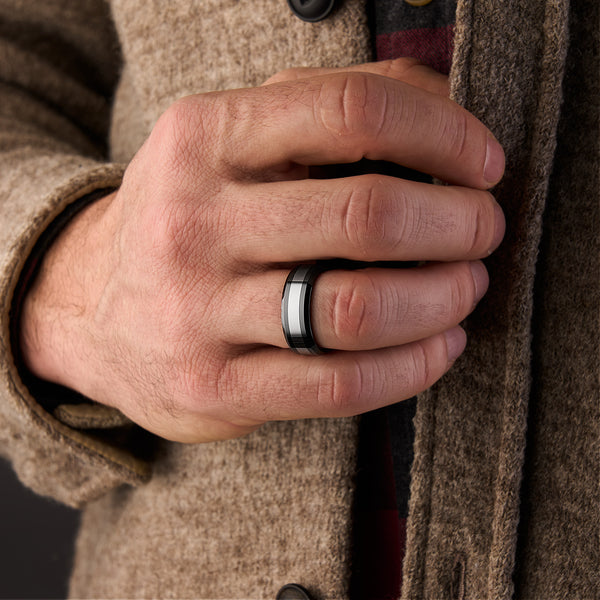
273	384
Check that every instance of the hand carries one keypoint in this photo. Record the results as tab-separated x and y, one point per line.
163	299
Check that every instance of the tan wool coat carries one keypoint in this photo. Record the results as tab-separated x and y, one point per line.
504	488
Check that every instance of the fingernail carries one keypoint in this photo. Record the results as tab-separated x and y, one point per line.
499	227
480	279
456	340
494	161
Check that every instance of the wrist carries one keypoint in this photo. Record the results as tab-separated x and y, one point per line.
55	316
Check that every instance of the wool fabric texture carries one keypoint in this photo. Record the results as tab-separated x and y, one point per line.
506	448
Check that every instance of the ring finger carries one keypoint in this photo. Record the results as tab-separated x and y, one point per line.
363	309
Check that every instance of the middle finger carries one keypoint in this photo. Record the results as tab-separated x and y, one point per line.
366	217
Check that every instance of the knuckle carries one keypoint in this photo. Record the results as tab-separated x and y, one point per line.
229	377
400	68
461	295
464	138
240	393
199	375
410	221
482	226
185	241
476	226
352	105
290	74
419	371
342	388
179	135
356	311
456	134
365	214
173	126
171	231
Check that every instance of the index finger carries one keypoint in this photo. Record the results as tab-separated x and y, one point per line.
342	118
406	69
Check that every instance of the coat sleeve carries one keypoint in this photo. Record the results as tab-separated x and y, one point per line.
59	65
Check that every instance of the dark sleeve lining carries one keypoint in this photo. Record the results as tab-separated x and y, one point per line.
48	395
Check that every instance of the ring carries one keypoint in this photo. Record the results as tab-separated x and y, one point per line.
295	309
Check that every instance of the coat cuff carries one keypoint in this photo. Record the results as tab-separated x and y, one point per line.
40	430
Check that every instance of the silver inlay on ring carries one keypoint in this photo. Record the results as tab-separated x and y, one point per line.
295	309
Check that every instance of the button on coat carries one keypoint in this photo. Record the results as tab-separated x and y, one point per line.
293	591
311	10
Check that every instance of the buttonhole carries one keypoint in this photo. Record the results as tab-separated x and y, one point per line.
457	587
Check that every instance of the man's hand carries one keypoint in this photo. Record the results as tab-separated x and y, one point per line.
163	299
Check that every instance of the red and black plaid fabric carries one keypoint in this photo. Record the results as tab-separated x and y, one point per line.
381	504
423	32
432	46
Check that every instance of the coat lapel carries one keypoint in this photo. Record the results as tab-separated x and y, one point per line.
470	429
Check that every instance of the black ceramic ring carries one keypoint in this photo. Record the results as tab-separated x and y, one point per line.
295	309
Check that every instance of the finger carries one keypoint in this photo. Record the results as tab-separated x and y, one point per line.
364	309
339	118
368	217
273	384
409	70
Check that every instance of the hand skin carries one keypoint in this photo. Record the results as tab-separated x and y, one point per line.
163	299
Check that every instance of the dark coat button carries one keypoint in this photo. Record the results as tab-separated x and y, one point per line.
293	591
311	10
